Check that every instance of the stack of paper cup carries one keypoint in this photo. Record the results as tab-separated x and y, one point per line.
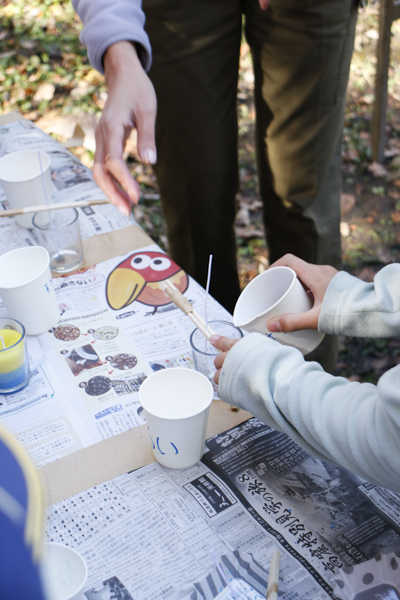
26	289
25	181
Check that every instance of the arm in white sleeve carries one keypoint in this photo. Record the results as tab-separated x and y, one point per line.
355	425
353	307
109	21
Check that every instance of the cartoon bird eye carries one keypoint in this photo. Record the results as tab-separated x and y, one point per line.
140	261
160	263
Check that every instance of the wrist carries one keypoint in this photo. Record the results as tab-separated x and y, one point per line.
119	58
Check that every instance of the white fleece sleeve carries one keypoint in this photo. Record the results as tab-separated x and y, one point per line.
355	425
353	307
109	21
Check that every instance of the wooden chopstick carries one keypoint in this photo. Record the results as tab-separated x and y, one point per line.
181	302
12	212
273	576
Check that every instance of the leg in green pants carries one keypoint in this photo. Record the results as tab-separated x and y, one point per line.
301	51
195	69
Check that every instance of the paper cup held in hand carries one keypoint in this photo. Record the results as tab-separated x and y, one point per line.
22	181
64	572
26	289
275	292
176	403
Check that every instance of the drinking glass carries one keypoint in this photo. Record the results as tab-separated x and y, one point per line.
58	232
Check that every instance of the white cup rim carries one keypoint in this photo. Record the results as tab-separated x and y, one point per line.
12	154
159	374
52	544
252	284
36	276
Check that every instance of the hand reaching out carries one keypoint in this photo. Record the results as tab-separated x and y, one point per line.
316	279
131	103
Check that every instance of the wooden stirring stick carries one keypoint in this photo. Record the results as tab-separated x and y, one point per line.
183	303
273	577
12	212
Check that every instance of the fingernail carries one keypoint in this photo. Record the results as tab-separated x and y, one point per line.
149	156
274	326
214	338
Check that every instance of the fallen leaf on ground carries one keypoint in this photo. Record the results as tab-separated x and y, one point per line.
366	220
249	232
377	170
44	92
344	229
350	154
242	216
347	202
395	216
394	194
147	180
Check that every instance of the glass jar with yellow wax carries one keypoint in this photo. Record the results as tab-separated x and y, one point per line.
14	362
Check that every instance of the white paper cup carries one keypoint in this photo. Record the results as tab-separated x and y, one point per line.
64	572
27	290
176	403
21	180
274	292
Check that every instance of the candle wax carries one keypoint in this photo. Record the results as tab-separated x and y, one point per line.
12	357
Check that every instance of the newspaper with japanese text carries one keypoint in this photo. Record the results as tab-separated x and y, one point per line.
71	181
86	372
153	532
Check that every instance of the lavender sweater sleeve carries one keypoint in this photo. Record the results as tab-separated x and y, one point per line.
356	425
109	21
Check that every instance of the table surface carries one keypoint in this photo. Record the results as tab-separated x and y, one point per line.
316	514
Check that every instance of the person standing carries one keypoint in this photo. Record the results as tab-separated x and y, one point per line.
301	53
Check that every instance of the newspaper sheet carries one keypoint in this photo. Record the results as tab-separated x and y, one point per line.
71	180
88	369
152	531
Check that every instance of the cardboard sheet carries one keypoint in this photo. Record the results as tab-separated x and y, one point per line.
112	244
117	455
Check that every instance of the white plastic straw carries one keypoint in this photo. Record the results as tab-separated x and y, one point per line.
2	342
207	292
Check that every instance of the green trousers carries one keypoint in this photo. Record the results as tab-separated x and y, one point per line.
301	52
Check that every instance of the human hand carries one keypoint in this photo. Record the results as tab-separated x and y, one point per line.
264	4
224	344
131	103
315	279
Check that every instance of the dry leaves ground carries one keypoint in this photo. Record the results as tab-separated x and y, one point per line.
44	73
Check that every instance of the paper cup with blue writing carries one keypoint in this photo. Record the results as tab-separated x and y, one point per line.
176	403
275	292
26	289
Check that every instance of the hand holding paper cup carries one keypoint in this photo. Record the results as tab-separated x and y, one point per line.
275	292
176	403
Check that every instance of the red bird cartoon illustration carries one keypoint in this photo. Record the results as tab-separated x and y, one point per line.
138	278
